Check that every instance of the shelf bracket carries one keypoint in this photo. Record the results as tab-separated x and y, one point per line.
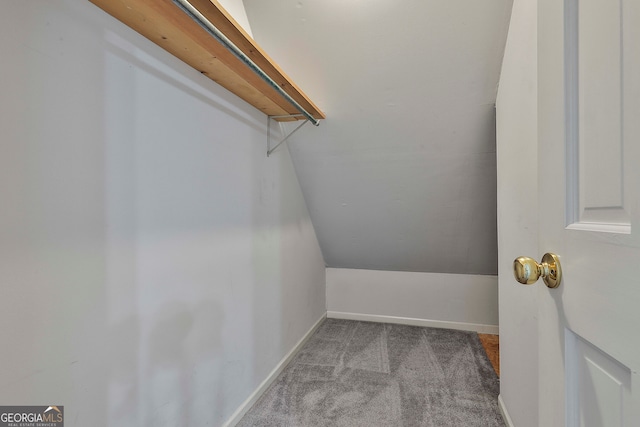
271	119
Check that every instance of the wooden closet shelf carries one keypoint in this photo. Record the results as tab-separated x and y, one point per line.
162	22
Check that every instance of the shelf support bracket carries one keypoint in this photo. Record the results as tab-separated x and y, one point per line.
272	118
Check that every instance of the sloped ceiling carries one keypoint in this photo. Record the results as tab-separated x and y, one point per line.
402	173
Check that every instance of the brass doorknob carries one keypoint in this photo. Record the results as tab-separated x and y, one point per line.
527	271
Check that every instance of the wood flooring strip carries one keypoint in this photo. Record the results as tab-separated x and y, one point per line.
491	344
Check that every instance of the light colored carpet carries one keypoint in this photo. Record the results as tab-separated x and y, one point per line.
374	374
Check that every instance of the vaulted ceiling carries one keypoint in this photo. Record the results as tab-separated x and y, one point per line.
402	173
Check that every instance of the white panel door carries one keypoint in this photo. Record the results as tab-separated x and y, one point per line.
589	211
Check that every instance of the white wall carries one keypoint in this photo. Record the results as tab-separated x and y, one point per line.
402	174
454	301
155	264
236	9
517	215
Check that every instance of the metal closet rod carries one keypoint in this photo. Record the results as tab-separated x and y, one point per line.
231	47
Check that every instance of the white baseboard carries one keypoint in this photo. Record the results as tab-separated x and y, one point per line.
474	327
504	412
247	404
455	301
